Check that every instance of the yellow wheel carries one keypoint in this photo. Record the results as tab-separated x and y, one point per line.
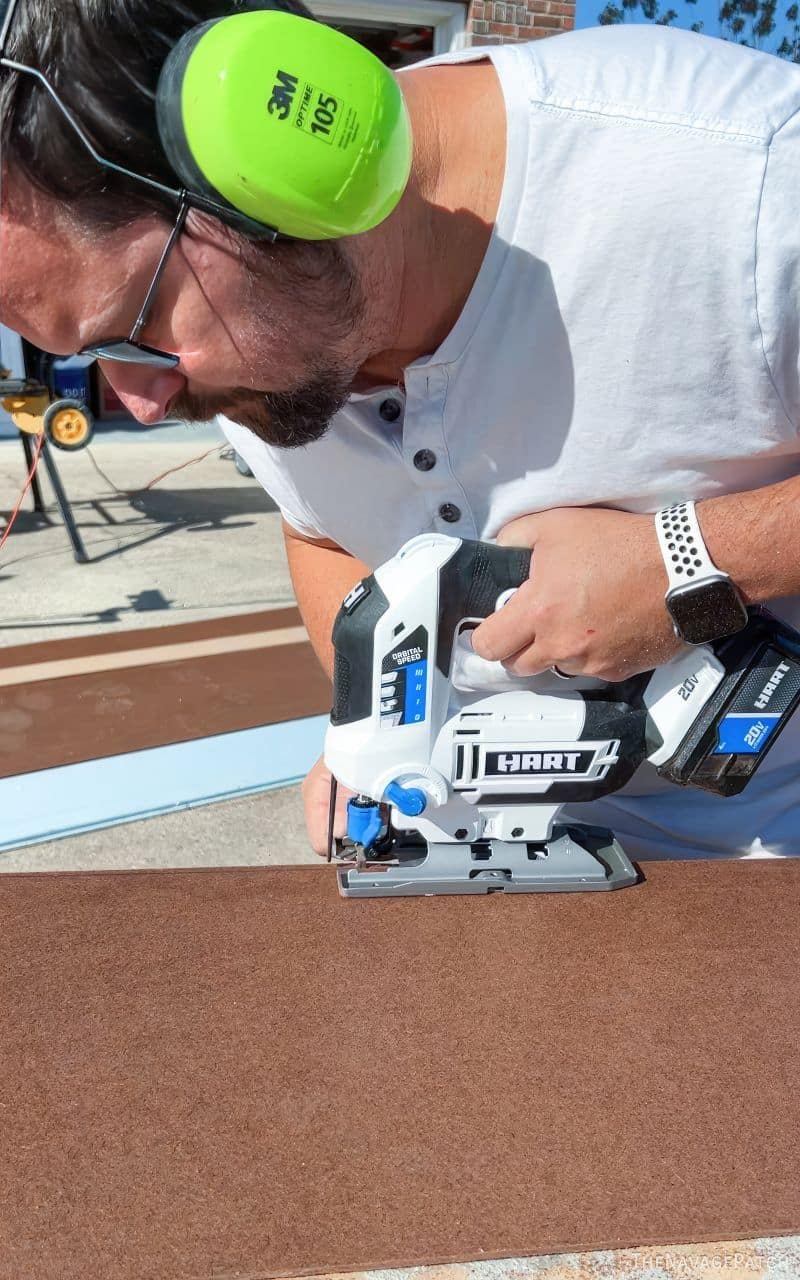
68	424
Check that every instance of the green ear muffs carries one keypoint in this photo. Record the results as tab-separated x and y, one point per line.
289	122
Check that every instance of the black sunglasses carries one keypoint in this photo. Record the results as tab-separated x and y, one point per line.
129	350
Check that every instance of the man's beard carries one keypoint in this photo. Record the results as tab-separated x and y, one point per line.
293	290
287	419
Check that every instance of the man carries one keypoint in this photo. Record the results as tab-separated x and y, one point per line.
586	306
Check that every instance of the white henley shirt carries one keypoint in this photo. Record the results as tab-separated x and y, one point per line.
632	339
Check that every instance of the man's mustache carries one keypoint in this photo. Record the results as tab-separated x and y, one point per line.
203	406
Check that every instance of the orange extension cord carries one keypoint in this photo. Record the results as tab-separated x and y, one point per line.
126	492
24	490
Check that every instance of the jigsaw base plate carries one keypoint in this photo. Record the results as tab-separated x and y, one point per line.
576	859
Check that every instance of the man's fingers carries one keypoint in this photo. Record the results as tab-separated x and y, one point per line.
318	816
316	799
340	817
505	633
531	661
518	533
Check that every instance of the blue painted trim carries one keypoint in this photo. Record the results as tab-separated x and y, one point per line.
53	803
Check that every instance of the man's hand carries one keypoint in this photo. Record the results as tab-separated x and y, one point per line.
594	603
316	801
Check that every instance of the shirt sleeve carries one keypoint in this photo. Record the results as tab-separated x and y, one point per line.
273	475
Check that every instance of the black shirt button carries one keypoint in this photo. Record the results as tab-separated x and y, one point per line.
390	410
424	459
450	512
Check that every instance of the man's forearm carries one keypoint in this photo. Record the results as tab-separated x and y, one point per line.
322	575
755	537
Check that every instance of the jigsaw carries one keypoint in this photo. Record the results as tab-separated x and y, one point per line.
461	769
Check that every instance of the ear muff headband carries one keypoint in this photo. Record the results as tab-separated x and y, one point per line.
287	121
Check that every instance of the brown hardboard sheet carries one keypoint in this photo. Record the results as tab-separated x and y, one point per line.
236	1073
104	713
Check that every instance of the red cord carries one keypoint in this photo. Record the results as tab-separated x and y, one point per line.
25	489
128	492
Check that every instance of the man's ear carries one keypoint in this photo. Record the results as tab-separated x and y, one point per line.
207	229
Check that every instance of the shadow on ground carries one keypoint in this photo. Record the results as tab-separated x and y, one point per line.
155	514
205	507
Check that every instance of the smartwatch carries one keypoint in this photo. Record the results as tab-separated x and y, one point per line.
701	600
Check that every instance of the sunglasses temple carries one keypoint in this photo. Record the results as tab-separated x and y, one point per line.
224	214
176	230
87	142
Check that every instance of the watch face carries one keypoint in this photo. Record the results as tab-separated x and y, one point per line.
707	612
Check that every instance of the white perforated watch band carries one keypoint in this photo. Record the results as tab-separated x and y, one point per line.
682	546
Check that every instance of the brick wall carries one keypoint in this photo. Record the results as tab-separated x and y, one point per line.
504	22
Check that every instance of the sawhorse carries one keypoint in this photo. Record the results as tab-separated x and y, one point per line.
78	549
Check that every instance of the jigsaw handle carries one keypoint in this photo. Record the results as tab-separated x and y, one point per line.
470	585
475	577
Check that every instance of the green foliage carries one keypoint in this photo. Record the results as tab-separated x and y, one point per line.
748	22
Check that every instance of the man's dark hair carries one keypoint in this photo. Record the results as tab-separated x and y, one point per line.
103	57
